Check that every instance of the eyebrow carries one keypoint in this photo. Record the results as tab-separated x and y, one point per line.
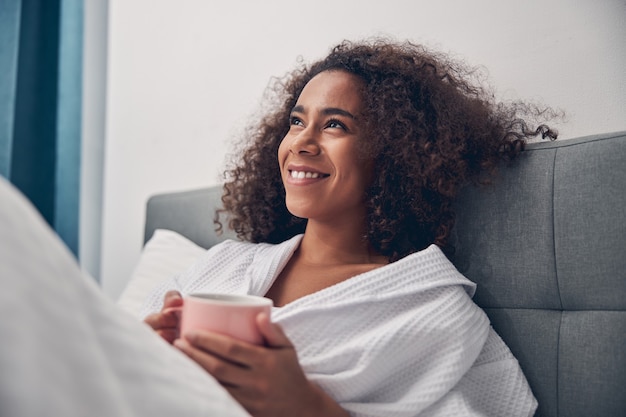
328	111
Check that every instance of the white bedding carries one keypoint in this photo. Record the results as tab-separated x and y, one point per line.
165	255
67	350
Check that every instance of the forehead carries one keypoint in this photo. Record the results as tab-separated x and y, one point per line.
333	88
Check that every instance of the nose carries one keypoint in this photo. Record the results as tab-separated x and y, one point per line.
305	143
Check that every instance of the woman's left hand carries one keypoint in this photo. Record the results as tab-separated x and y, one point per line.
265	380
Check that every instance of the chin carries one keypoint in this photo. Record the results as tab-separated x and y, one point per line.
298	213
301	211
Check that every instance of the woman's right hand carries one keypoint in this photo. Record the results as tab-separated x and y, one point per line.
167	321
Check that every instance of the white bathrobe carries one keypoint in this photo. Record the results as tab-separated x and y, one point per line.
401	340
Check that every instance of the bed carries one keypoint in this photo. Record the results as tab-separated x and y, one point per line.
545	244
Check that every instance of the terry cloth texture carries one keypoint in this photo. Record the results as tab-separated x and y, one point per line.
401	340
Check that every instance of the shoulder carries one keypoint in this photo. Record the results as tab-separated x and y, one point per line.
426	270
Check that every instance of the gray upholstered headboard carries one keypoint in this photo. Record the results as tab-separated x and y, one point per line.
547	246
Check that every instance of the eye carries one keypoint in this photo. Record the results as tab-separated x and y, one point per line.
295	121
335	124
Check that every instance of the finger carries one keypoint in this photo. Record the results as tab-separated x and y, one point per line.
272	333
226	347
172	298
227	373
175	312
163	320
168	334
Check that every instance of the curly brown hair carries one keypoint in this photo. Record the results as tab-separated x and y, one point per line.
432	126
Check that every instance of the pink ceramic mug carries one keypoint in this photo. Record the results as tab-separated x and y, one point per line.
232	315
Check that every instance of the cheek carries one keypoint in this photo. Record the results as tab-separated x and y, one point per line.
283	150
283	153
368	172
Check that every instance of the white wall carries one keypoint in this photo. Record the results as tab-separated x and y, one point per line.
183	77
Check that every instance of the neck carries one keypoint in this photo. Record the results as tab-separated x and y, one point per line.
331	245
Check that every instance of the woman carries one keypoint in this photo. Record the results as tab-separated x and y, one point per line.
344	201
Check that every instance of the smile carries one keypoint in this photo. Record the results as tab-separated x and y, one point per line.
305	174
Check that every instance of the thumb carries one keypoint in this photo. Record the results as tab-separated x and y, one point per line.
172	299
272	333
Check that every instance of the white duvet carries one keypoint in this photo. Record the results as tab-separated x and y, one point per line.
66	350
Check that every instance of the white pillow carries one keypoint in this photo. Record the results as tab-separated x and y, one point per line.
166	254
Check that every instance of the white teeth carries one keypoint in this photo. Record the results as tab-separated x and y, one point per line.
303	174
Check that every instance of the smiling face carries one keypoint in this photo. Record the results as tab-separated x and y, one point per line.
322	171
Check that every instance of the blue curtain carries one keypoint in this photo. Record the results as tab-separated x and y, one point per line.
40	106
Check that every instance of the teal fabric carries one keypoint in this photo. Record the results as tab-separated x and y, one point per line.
40	103
69	110
9	40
